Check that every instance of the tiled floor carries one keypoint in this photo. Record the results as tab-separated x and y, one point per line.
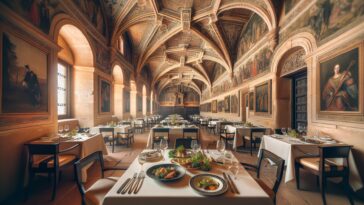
68	194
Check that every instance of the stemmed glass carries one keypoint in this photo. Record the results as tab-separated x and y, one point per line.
195	146
220	146
284	131
234	168
60	129
163	145
66	128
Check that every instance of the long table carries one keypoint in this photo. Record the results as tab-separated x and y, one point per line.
176	193
174	133
289	149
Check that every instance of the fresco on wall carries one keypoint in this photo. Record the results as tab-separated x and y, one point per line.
339	80
205	107
24	77
326	17
227	104
254	30
214	106
289	4
234	103
37	12
220	106
105	96
293	62
251	101
126	101
93	11
102	57
139	103
173	95
262	98
259	63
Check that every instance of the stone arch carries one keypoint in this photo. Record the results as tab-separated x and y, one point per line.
118	74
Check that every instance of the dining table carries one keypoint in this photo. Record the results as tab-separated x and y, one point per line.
175	131
89	143
153	192
289	148
240	131
117	129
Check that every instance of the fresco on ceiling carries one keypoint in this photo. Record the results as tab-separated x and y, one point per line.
259	64
255	29
37	12
289	5
93	9
24	77
217	72
326	17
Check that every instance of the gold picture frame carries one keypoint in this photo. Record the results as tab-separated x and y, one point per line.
263	98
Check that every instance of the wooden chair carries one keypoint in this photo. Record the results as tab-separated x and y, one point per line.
186	142
105	132
225	134
127	137
324	167
279	162
139	125
254	139
48	158
211	127
96	193
160	133
187	132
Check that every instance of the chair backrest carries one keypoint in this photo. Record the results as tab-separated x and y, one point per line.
187	132
43	149
279	162
107	130
80	164
162	131
278	131
126	123
334	151
186	142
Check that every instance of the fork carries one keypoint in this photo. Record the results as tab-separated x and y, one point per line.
139	182
130	185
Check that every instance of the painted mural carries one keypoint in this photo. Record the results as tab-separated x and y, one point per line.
172	96
259	63
214	106
37	12
289	4
227	104
220	106
93	9
254	30
293	62
262	98
206	107
105	96
326	17
339	80
24	77
251	101
234	103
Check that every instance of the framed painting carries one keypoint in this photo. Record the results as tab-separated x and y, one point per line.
246	100
340	83
24	71
214	106
251	101
234	103
263	98
140	103
104	96
126	101
220	106
227	104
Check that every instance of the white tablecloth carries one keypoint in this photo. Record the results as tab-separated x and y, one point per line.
240	131
119	128
174	133
176	193
290	149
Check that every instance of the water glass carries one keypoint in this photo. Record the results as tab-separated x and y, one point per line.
284	131
220	146
234	168
163	145
66	128
60	129
195	146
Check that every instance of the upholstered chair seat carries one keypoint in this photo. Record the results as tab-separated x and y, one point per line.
49	162
314	163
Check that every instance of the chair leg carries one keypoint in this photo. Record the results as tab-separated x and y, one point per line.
28	188
322	188
55	182
297	173
113	142
348	189
251	148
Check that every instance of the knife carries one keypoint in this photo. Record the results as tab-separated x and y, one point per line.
123	185
227	181
136	182
233	184
140	183
130	184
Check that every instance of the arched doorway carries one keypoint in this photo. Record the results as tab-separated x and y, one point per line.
117	73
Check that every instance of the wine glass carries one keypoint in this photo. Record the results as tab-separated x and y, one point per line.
220	146
66	128
284	131
77	128
195	146
234	168
163	145
60	129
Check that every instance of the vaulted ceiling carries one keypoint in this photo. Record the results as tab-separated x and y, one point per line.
189	42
